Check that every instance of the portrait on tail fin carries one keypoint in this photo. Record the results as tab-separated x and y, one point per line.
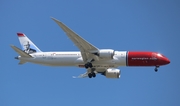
28	49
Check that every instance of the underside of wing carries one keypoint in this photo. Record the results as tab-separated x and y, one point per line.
85	75
108	73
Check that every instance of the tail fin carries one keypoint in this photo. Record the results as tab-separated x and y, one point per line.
27	45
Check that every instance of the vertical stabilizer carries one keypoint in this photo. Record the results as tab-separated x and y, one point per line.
27	45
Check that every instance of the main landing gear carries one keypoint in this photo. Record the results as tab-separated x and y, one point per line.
90	75
156	68
89	65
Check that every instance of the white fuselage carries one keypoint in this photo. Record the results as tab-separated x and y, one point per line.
75	59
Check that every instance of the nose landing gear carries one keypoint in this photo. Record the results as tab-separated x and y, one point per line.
156	68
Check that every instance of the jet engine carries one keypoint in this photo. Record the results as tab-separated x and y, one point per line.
112	73
105	53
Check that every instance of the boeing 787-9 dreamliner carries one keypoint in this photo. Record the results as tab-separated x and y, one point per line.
93	59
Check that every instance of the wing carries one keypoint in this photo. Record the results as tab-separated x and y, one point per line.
85	47
84	75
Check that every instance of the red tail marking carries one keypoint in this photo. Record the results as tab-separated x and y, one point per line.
20	34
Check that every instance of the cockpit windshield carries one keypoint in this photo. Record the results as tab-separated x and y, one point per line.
160	55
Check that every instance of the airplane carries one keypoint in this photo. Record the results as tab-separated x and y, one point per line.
93	59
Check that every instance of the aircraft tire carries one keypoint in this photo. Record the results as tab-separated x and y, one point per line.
156	70
86	66
90	65
94	75
90	75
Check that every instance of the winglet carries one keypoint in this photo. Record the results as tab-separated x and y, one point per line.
54	19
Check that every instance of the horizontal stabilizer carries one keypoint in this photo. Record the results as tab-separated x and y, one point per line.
21	62
20	52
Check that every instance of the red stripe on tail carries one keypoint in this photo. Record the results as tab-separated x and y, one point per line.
20	34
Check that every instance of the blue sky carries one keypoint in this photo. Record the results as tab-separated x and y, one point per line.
138	25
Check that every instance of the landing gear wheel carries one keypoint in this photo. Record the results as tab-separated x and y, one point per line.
88	65
93	74
90	75
155	69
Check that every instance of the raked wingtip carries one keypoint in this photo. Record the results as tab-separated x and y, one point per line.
54	19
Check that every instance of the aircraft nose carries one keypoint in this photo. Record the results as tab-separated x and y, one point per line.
165	60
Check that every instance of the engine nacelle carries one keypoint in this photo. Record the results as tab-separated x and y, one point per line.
112	73
106	53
